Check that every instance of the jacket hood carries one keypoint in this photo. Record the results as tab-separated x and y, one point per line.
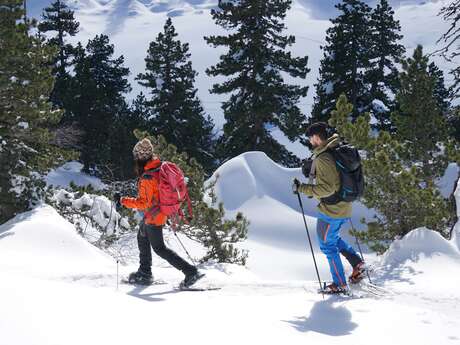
332	142
152	164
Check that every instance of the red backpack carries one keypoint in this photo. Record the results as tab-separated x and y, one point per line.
172	191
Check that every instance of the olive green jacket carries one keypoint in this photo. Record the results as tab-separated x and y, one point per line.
327	181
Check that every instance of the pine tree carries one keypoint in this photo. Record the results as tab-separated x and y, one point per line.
451	13
256	58
176	111
99	85
346	59
26	145
420	124
441	92
59	18
443	97
122	138
386	52
395	187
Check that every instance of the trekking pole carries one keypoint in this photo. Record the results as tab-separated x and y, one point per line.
360	251
185	249
309	241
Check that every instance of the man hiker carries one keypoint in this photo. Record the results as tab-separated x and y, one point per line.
150	234
333	212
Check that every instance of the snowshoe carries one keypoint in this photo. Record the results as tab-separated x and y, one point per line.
334	289
140	278
191	279
358	274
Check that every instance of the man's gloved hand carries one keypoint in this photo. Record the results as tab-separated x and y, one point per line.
295	186
306	167
116	199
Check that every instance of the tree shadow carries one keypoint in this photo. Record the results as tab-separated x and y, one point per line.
326	319
6	234
395	273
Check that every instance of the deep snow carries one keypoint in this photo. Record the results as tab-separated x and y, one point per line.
56	288
70	297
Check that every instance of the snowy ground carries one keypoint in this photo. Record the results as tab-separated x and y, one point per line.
56	288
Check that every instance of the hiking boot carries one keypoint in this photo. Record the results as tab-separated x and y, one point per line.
141	278
359	271
333	289
191	279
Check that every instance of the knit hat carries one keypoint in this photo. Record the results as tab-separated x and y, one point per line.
143	150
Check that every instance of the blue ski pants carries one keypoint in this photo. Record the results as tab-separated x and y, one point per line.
331	244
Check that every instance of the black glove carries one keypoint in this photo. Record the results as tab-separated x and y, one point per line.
116	199
306	167
295	186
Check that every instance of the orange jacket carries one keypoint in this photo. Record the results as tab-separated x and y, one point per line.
148	196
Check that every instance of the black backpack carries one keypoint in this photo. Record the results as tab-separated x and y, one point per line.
348	162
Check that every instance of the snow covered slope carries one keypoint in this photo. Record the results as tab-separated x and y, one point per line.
55	288
41	243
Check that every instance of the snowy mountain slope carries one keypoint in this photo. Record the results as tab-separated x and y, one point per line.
132	24
41	305
320	9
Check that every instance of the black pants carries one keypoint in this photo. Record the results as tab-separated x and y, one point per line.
151	235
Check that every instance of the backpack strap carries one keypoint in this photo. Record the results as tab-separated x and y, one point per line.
189	205
334	198
149	175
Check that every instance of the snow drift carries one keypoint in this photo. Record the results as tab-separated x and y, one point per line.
42	243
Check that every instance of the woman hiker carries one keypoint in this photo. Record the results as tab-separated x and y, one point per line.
151	229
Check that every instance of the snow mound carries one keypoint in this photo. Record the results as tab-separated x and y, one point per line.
254	175
417	244
42	243
72	172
